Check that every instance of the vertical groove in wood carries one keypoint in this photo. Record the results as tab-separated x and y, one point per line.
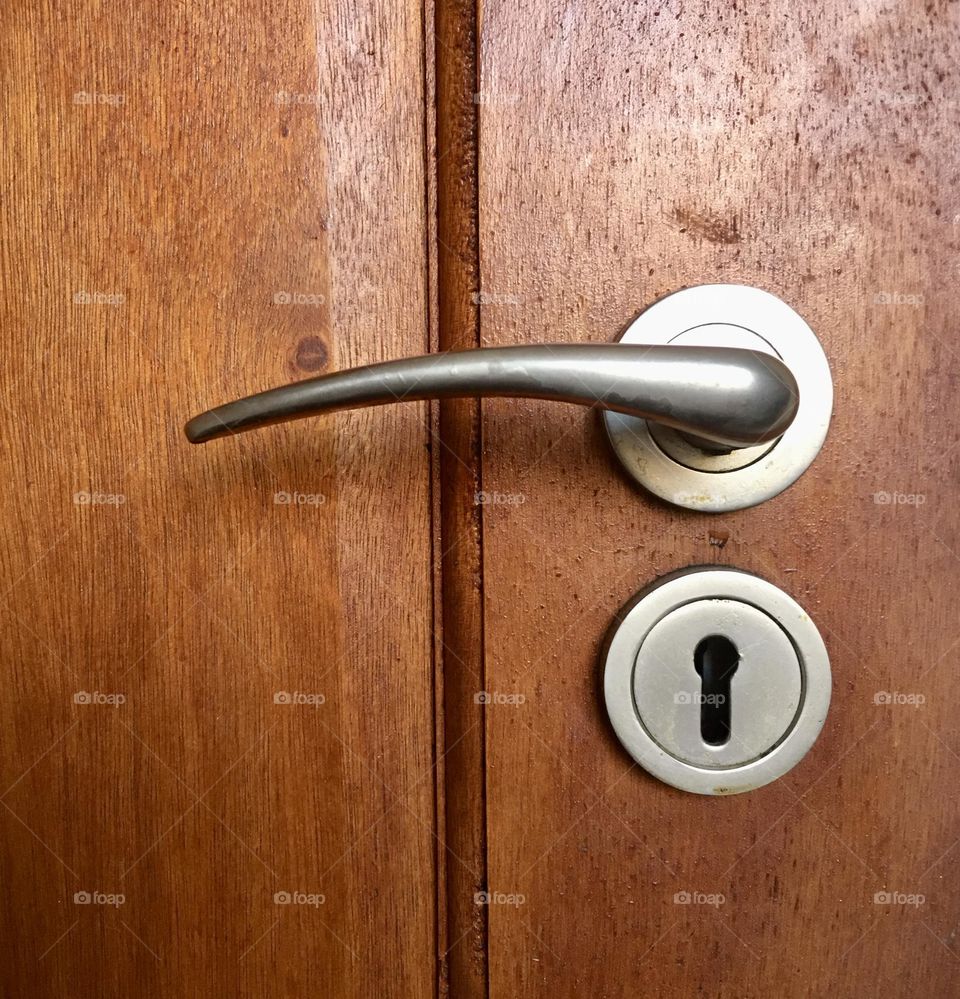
465	964
432	344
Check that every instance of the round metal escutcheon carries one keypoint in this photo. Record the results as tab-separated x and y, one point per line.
675	468
779	692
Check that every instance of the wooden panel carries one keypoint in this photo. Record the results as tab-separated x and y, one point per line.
458	273
808	149
201	201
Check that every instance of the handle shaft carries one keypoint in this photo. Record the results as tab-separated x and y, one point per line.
725	395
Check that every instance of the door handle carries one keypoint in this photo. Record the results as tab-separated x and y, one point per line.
723	398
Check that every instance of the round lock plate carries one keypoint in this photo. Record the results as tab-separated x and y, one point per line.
698	721
669	692
726	315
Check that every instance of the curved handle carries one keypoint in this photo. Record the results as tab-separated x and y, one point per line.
725	395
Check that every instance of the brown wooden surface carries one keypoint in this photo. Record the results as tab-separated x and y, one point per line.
624	152
458	272
199	197
628	151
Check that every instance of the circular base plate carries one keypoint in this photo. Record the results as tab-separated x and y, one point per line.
651	606
727	315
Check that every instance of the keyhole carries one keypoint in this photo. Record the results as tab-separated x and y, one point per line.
715	660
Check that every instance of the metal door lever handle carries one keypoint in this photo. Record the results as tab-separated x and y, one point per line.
725	395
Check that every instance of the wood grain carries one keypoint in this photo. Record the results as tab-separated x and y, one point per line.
626	152
199	202
458	273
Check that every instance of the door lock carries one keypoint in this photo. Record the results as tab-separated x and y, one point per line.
716	681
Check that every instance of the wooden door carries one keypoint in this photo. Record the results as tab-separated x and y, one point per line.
627	151
217	691
317	710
